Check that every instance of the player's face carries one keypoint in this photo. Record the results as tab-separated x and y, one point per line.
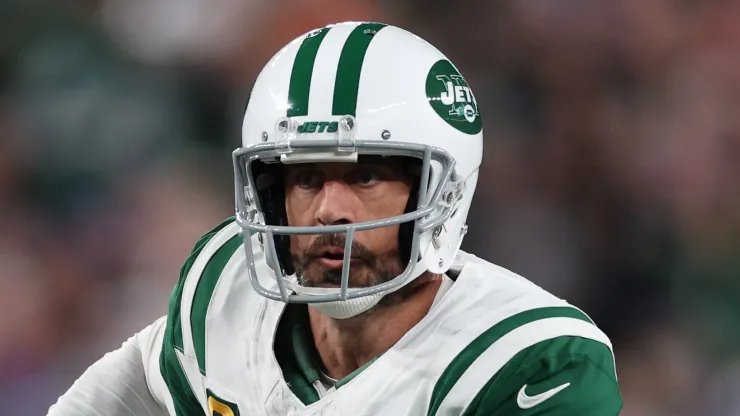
344	193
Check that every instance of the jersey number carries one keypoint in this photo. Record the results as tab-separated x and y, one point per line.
220	407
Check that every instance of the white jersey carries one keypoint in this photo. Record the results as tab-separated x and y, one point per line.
494	342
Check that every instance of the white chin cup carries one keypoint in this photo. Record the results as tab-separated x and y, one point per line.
338	309
343	309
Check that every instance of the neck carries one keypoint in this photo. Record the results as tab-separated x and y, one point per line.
347	344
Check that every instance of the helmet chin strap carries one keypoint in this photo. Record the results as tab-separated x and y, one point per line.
344	309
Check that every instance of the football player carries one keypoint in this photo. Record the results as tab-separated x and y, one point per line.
338	288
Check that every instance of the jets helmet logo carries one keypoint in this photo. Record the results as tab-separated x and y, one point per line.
318	127
452	99
458	97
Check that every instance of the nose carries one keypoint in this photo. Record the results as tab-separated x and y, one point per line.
336	204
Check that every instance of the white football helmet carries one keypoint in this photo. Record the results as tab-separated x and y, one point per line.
346	90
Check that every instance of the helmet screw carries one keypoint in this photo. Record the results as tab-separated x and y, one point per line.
449	197
283	125
385	135
464	229
437	231
264	136
348	123
441	262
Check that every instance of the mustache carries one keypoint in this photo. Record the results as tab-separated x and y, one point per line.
324	241
380	267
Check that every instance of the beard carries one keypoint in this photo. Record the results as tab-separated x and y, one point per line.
370	268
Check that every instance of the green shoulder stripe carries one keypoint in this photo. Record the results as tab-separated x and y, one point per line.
204	293
565	359
177	383
469	354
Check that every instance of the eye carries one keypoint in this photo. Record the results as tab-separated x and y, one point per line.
308	179
364	177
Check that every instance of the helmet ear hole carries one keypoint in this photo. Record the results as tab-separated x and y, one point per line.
454	211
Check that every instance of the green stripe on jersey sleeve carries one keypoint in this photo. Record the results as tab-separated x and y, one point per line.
177	383
204	293
300	76
475	349
580	371
347	83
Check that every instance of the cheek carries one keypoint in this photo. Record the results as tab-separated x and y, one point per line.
298	215
297	209
299	243
386	201
379	240
398	198
393	203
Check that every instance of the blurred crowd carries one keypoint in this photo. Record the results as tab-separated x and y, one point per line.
612	149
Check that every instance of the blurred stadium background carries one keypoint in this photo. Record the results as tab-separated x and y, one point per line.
611	173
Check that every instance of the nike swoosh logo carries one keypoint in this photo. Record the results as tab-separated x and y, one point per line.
527	402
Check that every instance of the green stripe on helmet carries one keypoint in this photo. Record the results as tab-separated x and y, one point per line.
350	66
300	76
